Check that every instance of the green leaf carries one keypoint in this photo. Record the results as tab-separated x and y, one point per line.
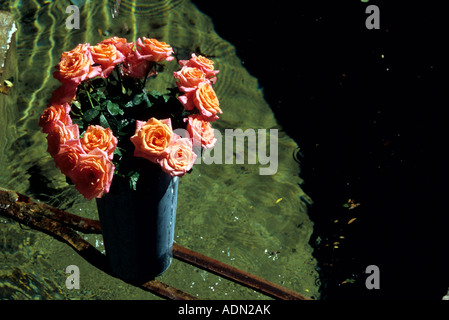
90	115
76	104
114	108
156	94
103	122
134	177
118	151
79	122
129	104
97	95
122	123
138	98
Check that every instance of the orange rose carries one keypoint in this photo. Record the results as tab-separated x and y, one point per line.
58	134
121	44
152	139
93	174
153	50
107	56
101	138
180	159
189	78
76	66
53	113
202	63
205	99
68	155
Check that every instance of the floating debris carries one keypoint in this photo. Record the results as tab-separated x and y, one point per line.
351	204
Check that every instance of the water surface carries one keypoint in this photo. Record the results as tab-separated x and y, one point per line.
229	212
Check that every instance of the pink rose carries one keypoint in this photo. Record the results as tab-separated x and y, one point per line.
93	174
65	93
153	50
56	112
200	131
200	62
67	157
180	159
135	67
58	134
187	100
189	78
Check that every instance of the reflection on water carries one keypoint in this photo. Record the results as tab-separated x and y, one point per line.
229	212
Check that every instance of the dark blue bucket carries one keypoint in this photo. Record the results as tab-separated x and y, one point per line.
138	226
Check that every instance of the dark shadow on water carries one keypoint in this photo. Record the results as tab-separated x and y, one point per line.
366	109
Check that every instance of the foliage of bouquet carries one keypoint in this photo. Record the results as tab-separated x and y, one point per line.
102	118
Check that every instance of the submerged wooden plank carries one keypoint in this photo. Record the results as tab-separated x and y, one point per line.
237	275
45	218
58	223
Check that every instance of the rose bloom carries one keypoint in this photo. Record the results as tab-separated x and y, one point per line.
107	56
180	159
121	44
153	50
189	78
65	93
76	66
58	134
101	138
205	99
135	67
92	174
202	63
187	100
200	131
152	139
54	113
67	157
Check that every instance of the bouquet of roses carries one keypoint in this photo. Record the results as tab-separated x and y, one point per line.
102	118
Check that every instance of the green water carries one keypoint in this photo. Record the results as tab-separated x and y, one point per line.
228	212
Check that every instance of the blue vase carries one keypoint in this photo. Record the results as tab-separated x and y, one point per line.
138	226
